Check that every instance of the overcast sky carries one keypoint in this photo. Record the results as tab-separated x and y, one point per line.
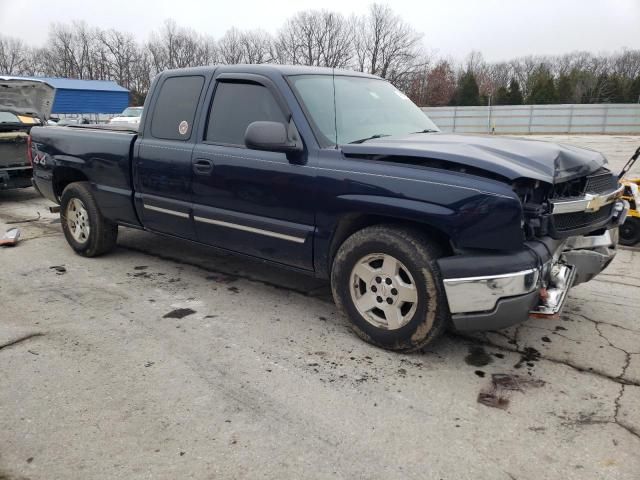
500	29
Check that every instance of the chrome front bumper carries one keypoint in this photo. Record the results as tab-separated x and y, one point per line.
587	255
480	294
498	301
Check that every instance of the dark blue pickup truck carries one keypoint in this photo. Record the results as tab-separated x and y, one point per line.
340	175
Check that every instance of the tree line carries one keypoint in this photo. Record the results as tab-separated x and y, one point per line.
378	42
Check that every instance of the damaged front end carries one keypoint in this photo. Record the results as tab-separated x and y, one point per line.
577	260
571	232
584	213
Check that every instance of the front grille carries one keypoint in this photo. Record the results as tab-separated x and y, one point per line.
572	221
602	181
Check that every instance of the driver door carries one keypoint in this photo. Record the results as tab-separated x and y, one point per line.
249	201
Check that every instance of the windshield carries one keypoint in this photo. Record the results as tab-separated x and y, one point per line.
132	112
365	108
8	117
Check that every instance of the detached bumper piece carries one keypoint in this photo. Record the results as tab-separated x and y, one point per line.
552	298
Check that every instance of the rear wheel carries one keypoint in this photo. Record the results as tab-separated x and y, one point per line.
385	278
84	227
630	231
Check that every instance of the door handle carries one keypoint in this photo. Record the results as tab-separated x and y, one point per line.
202	166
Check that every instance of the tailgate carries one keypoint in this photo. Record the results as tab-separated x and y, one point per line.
13	149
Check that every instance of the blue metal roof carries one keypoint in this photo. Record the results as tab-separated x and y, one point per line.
74	84
89	101
86	96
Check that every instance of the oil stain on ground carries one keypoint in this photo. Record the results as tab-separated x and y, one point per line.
179	313
478	357
528	356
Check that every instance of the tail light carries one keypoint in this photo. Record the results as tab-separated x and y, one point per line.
29	153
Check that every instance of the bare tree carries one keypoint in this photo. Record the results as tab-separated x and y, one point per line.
387	46
177	47
13	55
230	48
318	38
122	55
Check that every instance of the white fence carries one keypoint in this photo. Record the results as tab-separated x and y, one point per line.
608	118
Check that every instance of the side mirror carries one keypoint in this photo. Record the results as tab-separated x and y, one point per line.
272	136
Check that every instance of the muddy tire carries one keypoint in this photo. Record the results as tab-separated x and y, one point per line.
386	280
629	231
84	227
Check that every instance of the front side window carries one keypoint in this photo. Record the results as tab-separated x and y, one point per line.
364	107
175	108
235	106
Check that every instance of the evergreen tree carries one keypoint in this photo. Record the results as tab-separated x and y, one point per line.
502	97
515	95
543	88
468	93
633	91
565	89
615	89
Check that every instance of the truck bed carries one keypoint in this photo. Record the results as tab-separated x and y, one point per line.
103	155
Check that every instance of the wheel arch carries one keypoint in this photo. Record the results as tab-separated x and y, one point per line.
349	223
63	176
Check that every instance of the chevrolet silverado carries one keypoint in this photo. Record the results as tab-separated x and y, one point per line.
339	175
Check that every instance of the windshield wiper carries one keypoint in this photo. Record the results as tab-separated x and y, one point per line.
426	130
377	135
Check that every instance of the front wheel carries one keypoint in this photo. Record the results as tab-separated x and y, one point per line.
386	279
84	227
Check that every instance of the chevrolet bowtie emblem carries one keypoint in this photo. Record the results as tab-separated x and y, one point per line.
596	202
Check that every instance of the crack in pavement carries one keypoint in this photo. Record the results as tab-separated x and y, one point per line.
21	339
488	343
600	322
614	282
616	413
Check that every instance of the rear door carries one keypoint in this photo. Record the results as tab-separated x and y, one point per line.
249	201
163	156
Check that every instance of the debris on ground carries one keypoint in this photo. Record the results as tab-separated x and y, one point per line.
60	270
496	394
179	313
10	238
29	220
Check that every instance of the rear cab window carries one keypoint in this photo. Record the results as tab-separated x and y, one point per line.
175	108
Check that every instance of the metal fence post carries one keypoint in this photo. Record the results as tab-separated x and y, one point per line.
570	118
455	112
605	118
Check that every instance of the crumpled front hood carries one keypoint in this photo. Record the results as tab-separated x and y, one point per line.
509	157
26	97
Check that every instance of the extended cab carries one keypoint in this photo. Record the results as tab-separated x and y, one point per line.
338	174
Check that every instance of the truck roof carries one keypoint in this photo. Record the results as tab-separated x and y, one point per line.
269	69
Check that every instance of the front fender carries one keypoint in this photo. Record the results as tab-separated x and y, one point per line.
479	221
